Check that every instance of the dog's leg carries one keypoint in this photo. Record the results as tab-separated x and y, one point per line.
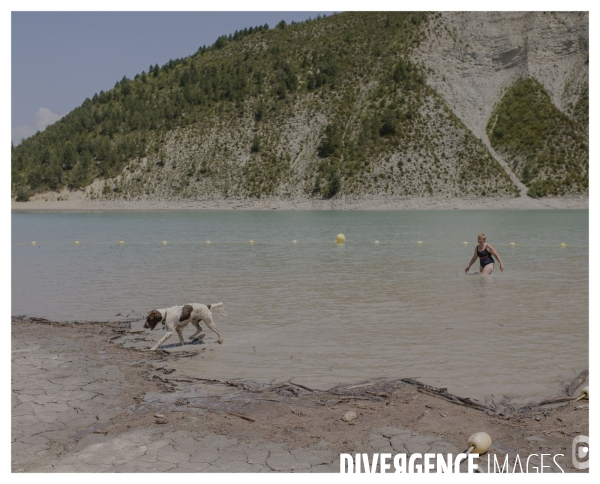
197	324
179	333
162	340
212	327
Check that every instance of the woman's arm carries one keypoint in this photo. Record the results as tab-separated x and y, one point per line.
472	260
496	255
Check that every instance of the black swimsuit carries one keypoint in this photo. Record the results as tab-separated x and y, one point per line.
485	257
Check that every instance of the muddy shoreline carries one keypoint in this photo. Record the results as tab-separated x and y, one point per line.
74	201
85	400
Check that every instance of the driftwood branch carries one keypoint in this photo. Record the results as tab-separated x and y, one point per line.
367	384
304	387
229	383
555	400
245	417
442	396
382	395
443	393
577	382
275	387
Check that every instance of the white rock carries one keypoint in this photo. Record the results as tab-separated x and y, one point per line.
349	416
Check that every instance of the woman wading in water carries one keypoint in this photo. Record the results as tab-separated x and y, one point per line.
486	261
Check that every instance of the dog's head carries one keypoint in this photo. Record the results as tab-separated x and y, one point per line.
154	317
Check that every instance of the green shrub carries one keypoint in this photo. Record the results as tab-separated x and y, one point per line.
255	146
535	135
333	186
331	141
22	195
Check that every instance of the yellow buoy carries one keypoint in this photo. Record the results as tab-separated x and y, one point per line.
76	242
563	245
513	244
585	393
479	443
208	241
250	241
294	241
465	243
419	242
376	242
340	239
164	242
33	243
121	242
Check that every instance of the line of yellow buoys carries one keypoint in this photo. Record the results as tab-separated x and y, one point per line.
340	239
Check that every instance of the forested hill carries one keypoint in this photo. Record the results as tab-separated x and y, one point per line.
353	104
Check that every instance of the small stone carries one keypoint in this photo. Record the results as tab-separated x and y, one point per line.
349	416
443	414
159	415
422	415
536	438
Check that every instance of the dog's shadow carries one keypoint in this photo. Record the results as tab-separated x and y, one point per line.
177	345
199	341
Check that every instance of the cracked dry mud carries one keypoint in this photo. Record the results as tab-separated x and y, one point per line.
83	402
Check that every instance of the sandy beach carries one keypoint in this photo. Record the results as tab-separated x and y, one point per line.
89	397
75	201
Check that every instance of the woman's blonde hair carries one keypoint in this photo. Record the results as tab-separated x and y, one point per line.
482	235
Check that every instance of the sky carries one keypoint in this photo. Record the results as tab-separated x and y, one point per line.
60	58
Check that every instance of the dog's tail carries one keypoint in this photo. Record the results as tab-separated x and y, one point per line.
218	309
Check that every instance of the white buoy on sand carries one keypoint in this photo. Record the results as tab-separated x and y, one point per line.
121	242
479	443
376	242
512	244
340	239
208	241
164	242
250	242
294	241
585	393
33	243
419	242
563	245
465	243
76	242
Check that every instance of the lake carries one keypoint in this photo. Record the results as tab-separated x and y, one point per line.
324	313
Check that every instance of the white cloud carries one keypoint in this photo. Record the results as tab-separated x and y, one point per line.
44	117
41	119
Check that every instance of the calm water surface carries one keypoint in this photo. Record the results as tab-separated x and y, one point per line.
327	314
